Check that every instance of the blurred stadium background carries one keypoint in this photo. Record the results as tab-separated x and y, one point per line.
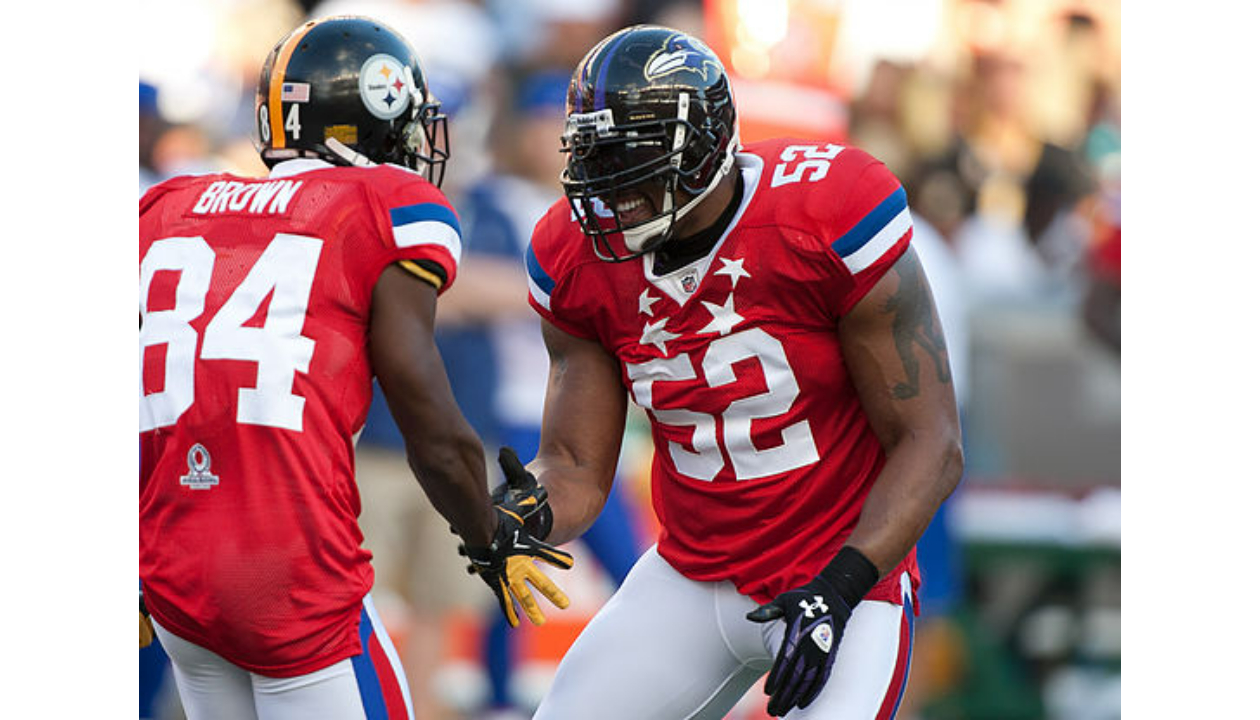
1002	117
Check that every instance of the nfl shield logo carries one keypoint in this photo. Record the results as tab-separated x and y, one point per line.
690	281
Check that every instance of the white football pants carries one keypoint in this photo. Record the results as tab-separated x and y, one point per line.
369	686
668	648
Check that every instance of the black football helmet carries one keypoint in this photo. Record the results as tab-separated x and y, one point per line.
650	113
349	90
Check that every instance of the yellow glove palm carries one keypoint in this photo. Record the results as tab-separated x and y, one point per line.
521	570
507	566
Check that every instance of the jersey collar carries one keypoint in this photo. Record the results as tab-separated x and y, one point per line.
671	283
296	166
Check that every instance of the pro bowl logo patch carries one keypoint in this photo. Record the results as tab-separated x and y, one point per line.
680	53
384	86
199	476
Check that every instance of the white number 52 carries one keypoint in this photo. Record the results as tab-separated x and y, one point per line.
815	158
797	448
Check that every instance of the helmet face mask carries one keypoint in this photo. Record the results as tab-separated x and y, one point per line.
425	142
350	91
645	145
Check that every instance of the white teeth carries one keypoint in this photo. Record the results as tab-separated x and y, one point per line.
624	207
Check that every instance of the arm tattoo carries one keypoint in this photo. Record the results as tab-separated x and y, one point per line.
915	324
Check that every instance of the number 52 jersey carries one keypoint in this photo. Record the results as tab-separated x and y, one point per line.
763	454
255	298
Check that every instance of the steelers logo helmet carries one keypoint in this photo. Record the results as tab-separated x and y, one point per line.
351	91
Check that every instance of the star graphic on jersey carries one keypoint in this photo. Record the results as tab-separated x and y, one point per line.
656	334
724	316
734	268
646	302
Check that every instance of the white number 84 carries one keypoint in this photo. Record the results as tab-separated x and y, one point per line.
285	271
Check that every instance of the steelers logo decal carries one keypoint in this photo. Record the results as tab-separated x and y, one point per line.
383	86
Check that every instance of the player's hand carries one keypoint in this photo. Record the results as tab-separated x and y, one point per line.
507	565
146	625
815	616
522	495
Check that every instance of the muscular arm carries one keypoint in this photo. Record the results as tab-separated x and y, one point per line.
895	350
583	421
442	449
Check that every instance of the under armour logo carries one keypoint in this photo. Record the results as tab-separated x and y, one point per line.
810	607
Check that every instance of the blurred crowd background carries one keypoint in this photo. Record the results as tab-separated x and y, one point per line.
1001	117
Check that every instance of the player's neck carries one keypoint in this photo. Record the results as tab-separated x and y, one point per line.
720	207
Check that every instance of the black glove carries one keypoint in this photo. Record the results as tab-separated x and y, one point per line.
815	614
522	496
508	563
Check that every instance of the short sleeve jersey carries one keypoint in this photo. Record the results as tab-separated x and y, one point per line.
763	454
255	298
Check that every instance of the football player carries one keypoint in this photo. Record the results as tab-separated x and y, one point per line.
267	305
764	305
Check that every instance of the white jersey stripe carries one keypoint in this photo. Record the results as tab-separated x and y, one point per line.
429	232
883	240
540	296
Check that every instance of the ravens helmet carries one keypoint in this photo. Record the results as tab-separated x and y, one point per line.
351	91
651	130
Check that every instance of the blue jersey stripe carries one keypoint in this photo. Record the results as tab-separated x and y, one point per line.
869	226
423	212
536	272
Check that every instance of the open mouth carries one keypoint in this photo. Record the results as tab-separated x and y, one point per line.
632	208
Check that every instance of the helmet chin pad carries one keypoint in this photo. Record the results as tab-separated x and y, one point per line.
639	239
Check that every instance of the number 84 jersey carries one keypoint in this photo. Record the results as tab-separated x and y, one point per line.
763	454
255	299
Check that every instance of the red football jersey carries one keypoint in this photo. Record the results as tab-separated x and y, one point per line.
764	455
254	377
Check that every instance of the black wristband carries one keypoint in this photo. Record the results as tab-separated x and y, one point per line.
851	574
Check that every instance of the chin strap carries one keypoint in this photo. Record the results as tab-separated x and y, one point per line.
345	153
